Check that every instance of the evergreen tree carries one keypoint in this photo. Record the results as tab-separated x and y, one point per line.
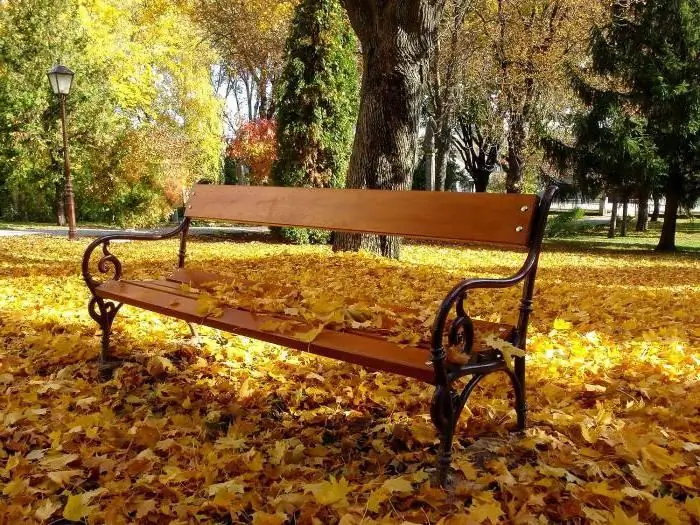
317	108
612	151
653	50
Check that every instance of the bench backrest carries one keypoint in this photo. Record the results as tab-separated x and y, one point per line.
470	217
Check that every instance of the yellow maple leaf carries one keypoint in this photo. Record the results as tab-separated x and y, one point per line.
692	505
376	498
508	350
330	492
485	507
667	509
46	509
660	457
309	336
561	324
62	477
602	488
467	469
400	485
77	507
619	517
263	518
208	306
685	481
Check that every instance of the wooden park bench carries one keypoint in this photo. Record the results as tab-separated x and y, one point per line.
492	219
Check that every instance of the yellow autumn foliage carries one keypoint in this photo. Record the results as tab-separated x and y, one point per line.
222	428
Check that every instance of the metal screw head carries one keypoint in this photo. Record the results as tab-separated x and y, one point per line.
524	209
519	229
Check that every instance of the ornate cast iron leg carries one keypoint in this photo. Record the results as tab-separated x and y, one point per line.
104	312
518	379
446	408
442	414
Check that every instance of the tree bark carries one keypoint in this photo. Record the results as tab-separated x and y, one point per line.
667	242
642	213
397	38
516	154
657	209
60	205
429	149
613	219
443	141
625	213
481	180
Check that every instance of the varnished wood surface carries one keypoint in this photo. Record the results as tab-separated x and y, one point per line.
352	348
468	217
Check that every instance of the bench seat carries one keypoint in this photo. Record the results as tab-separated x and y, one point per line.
167	297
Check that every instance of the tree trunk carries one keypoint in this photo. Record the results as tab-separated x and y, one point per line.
396	41
657	209
263	102
642	213
625	213
60	205
443	140
667	242
516	155
429	150
481	180
613	219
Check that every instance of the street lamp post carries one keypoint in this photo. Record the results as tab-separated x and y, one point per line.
61	80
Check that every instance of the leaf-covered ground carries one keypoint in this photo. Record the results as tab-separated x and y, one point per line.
228	430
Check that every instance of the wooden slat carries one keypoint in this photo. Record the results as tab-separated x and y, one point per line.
482	218
197	278
352	348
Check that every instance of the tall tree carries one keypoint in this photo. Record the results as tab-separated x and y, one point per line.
318	93
653	49
611	151
446	83
478	139
144	122
529	44
250	37
397	38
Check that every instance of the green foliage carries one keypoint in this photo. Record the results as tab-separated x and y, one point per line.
304	235
565	224
142	118
318	102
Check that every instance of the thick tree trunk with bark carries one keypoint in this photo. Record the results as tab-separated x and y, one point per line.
667	242
443	141
481	180
625	214
657	209
429	150
642	213
613	219
397	37
478	153
517	138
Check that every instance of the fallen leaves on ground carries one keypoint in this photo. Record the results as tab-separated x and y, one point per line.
224	429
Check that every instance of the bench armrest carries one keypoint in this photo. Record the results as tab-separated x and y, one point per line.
461	331
108	259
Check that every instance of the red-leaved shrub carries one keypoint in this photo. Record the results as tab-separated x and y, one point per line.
255	145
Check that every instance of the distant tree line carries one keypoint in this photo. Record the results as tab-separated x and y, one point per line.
143	119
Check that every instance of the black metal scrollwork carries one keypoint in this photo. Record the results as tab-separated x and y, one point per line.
109	263
461	332
447	403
